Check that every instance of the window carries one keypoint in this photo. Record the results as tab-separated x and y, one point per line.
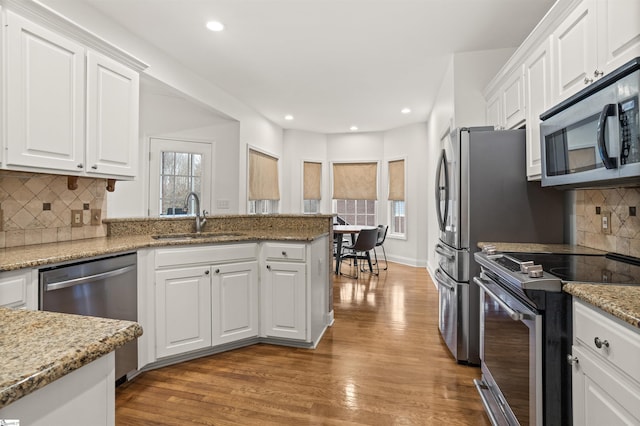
263	191
176	169
312	178
396	198
355	191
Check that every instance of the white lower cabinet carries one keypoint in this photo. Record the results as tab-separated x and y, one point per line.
19	289
606	372
234	301
284	300
183	310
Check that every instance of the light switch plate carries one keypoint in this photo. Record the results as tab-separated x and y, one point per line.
605	219
96	217
76	218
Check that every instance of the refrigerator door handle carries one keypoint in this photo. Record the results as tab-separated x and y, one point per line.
442	216
441	280
443	252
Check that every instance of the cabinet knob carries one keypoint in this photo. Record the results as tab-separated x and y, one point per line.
588	80
217	271
80	166
284	253
598	73
600	343
94	167
572	360
206	272
269	267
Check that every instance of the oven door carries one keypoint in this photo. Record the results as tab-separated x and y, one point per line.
511	354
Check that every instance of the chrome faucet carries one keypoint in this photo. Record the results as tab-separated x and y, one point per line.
200	220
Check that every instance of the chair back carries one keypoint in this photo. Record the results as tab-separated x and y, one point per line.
340	221
382	234
366	240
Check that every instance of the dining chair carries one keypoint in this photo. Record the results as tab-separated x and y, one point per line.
382	235
361	249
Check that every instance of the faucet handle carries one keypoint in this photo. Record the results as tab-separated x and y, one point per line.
204	212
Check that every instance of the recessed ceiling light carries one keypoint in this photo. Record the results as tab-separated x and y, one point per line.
288	117
405	110
353	128
215	26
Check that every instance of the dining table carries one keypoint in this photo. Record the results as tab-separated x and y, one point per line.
341	230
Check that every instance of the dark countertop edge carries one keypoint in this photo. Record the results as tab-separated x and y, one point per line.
602	297
557	248
75	360
83	249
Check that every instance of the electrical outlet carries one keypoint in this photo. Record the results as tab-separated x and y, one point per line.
1	220
605	220
76	218
96	217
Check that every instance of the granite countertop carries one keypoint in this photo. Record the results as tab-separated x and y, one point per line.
620	301
38	347
45	254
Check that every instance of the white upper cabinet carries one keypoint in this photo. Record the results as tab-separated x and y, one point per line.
596	38
71	97
537	85
494	111
112	116
513	100
45	98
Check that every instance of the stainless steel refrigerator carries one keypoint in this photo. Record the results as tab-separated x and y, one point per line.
482	194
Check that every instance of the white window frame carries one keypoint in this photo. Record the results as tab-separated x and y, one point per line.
262	206
378	171
157	146
391	233
318	203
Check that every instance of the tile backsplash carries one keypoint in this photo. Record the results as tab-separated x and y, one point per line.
592	204
36	208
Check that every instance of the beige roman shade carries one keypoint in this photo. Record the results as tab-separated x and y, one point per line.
263	176
355	181
396	180
312	179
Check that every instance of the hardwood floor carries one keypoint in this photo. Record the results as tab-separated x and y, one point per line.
382	363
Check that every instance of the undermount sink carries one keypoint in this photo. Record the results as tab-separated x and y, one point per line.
195	236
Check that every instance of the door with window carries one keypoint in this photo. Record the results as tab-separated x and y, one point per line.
177	168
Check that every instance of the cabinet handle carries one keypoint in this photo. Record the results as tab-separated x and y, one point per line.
206	272
597	73
284	253
94	167
572	360
80	166
217	271
588	80
600	343
269	267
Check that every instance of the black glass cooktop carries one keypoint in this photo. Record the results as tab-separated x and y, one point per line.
609	269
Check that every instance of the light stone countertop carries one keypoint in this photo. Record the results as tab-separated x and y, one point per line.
37	347
45	254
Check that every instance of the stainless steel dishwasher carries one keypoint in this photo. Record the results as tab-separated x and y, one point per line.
101	287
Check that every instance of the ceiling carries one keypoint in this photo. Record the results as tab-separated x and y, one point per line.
331	64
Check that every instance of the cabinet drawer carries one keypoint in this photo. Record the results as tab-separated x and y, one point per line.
193	255
13	290
283	251
619	344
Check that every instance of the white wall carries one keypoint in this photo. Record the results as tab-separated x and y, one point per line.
254	129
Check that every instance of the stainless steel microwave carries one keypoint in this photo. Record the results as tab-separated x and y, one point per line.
593	138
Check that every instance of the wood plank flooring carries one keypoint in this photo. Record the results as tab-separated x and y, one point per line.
382	363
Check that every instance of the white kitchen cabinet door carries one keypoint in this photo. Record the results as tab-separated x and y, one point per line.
513	100
234	302
600	395
284	306
537	82
494	111
574	47
183	310
618	33
45	98
112	117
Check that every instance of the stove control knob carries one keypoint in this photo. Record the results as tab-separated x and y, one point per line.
535	271
524	266
489	249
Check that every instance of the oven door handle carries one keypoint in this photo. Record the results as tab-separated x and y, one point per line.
514	315
443	252
83	280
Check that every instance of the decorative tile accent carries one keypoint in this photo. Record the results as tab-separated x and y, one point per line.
23	197
625	229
